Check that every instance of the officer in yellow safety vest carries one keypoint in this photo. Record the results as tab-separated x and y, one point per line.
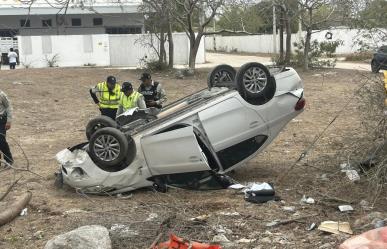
130	99
107	96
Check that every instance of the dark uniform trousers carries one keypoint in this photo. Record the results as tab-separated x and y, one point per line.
4	147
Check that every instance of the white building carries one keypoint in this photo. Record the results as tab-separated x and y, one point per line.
21	18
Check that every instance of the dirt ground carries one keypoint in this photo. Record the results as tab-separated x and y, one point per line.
52	107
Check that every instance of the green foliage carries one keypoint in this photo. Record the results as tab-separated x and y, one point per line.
152	64
320	54
359	56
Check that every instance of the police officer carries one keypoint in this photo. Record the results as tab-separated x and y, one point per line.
107	95
152	91
130	99
5	124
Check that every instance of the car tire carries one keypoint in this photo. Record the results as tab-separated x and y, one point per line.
255	84
375	67
98	123
108	148
222	76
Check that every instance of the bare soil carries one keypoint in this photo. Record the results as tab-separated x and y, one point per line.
52	107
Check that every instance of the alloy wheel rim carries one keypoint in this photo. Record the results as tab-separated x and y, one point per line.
107	148
255	80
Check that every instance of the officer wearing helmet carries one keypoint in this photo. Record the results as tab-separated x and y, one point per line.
130	99
107	95
152	91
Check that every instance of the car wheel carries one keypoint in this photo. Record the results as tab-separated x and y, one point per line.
221	75
108	147
255	84
375	67
98	123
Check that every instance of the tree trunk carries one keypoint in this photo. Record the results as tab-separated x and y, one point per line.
170	45
288	39
162	46
194	47
281	38
308	37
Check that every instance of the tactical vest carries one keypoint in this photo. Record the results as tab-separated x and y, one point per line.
150	94
128	102
108	99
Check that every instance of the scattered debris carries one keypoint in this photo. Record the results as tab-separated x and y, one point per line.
350	172
152	216
121	196
307	200
237	186
259	192
335	227
376	238
176	242
200	218
83	237
289	209
345	208
24	212
15	208
311	227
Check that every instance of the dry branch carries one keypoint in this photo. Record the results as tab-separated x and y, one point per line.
9	189
15	208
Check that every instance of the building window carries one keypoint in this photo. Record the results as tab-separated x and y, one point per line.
123	30
46	23
25	23
97	21
76	22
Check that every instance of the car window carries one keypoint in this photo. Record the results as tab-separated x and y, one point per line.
238	152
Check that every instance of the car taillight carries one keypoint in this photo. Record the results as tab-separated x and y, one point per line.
300	104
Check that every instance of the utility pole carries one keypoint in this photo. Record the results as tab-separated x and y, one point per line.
274	31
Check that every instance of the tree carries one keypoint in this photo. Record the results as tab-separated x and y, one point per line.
193	16
159	24
313	13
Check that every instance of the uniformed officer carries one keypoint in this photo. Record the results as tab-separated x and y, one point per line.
130	98
107	95
152	91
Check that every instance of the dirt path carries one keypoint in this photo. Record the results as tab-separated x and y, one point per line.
52	107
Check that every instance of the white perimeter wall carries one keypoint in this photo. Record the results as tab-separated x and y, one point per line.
264	43
79	50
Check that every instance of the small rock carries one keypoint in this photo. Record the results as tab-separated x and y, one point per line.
266	240
152	216
86	237
38	235
179	74
289	208
368	218
365	205
220	238
244	240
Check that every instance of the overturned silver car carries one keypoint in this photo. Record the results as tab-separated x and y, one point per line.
192	140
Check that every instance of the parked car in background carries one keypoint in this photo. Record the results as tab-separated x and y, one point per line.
379	61
192	141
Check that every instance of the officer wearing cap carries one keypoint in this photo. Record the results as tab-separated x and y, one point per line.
107	96
152	91
130	99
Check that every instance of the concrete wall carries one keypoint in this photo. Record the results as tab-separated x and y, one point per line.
264	43
101	50
87	27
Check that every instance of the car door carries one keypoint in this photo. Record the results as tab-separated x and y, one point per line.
175	151
230	122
